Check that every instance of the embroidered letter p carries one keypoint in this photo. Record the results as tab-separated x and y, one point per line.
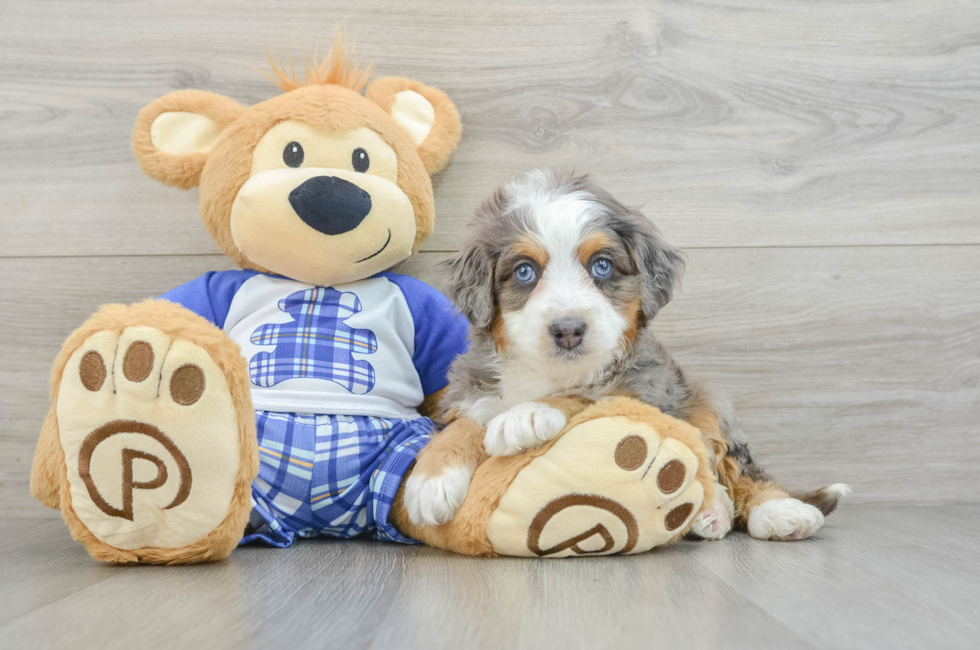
128	457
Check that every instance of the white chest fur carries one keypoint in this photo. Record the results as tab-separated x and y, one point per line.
521	382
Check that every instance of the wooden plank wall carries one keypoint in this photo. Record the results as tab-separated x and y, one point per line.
817	160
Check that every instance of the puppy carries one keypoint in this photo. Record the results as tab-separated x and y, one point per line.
560	282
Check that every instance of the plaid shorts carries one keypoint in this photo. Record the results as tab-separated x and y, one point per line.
333	475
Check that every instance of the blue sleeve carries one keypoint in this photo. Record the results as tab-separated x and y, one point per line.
440	333
210	295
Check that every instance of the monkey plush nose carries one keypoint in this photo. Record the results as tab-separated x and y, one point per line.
330	205
568	332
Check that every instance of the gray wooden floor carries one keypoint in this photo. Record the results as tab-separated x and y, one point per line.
817	160
874	577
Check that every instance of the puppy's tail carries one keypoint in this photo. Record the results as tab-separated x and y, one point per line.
826	498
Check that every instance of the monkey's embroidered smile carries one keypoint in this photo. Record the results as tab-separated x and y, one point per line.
380	250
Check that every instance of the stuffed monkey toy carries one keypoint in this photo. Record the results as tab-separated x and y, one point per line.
287	399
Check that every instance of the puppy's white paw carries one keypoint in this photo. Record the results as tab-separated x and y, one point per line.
525	426
784	519
716	521
432	501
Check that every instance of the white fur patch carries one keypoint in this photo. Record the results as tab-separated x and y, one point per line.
483	409
525	426
716	521
840	489
564	290
784	519
432	501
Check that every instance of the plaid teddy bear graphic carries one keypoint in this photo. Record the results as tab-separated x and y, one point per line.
317	344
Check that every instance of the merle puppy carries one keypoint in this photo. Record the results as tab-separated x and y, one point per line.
560	282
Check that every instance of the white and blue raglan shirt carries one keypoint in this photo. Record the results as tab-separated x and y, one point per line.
374	347
337	374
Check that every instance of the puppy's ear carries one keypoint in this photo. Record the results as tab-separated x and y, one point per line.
661	265
174	134
469	284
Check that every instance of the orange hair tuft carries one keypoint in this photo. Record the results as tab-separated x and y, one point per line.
337	68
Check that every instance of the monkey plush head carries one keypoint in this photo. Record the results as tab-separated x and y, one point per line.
320	184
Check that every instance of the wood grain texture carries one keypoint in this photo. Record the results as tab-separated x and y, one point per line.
858	365
875	577
37	571
818	159
763	123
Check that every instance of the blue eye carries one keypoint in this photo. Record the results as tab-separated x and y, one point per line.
524	274
602	268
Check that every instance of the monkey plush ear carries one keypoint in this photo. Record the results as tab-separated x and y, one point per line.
174	134
428	116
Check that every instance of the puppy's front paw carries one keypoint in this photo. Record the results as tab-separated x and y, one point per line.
525	426
784	519
432	501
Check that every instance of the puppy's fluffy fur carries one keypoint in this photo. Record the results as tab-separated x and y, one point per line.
560	282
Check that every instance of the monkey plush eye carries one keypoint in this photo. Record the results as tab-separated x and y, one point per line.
359	160
293	154
524	274
601	268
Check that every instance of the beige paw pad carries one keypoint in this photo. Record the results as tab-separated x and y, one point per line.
151	443
609	485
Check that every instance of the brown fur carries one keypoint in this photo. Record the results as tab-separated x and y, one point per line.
700	413
746	493
824	499
461	443
430	404
46	469
179	171
569	406
592	244
498	331
49	472
222	171
445	132
230	161
466	532
632	311
528	246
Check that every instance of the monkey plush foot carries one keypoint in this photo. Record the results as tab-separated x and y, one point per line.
621	478
155	427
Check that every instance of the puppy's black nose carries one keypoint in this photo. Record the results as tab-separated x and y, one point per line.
568	332
330	205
